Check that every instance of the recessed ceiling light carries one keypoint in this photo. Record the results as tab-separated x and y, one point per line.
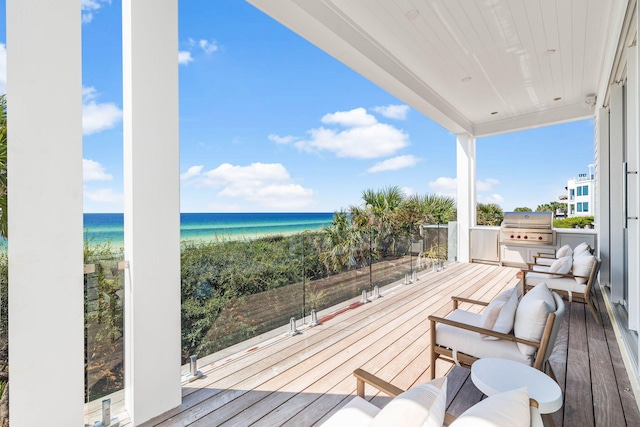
412	14
550	51
494	112
466	79
557	99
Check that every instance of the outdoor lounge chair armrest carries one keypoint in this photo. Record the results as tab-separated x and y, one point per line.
363	377
490	332
555	275
545	255
457	300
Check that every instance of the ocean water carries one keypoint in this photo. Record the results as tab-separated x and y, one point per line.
101	228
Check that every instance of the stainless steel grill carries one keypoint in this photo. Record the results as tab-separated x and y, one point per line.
530	228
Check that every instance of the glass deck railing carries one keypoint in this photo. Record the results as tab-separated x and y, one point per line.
235	290
104	323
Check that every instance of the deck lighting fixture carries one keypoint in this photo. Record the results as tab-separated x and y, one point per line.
549	51
493	113
557	98
412	14
466	79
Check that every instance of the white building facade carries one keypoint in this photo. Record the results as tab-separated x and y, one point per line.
581	196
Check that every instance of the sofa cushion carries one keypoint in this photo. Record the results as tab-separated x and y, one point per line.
582	266
471	343
500	314
510	408
423	405
358	412
531	316
561	265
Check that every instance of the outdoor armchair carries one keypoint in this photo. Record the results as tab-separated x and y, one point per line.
425	405
462	337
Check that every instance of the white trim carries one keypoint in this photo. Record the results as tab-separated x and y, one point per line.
466	192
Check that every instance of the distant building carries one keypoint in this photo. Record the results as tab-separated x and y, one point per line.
580	195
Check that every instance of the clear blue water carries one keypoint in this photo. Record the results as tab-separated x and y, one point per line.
100	228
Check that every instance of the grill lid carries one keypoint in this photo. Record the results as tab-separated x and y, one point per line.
538	220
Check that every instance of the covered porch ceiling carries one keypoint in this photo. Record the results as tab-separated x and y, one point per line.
474	66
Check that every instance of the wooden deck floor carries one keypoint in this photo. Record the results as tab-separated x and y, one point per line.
303	379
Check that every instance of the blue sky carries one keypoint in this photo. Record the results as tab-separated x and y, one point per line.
268	123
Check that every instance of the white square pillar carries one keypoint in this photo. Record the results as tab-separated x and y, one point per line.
466	191
46	310
151	207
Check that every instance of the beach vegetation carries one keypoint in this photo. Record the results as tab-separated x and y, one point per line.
574	222
489	214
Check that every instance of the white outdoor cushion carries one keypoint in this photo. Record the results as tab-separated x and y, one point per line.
500	314
546	262
471	343
532	279
564	284
582	266
542	268
564	251
420	406
531	316
358	412
561	265
582	247
508	409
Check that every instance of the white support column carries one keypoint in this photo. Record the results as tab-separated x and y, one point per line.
603	178
46	310
151	207
466	191
616	196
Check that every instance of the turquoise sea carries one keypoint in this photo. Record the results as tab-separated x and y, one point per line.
101	228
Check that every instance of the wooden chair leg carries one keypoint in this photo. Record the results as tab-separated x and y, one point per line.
434	356
592	308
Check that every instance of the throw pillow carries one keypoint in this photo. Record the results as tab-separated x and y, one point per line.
582	247
423	405
510	408
563	251
531	316
500	314
582	266
561	265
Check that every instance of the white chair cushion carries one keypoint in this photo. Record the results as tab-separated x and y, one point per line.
532	279
582	266
544	262
542	268
510	409
565	284
582	247
358	412
500	314
531	316
564	251
420	406
471	343
561	265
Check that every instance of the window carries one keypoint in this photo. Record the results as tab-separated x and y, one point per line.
585	190
572	194
579	205
585	206
579	191
572	209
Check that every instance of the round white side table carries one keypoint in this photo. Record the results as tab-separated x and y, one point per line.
493	376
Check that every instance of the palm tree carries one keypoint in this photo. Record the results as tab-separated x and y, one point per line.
489	214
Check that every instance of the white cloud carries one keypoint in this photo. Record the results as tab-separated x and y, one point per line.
184	57
352	118
444	186
208	46
193	171
394	163
492	198
3	68
94	171
90	6
281	139
266	184
104	195
97	117
398	112
364	138
487	184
